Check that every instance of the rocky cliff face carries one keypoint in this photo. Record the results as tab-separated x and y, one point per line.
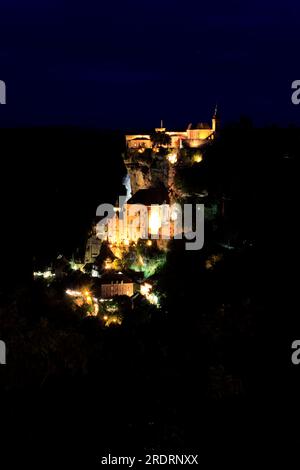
140	177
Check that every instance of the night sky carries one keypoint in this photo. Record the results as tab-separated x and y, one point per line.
126	65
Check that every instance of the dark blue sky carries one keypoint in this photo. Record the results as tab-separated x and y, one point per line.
128	64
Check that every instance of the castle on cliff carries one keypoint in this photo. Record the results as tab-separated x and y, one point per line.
150	162
192	137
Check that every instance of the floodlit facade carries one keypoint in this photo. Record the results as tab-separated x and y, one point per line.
193	136
113	284
146	215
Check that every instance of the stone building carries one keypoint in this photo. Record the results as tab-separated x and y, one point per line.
145	215
113	284
194	136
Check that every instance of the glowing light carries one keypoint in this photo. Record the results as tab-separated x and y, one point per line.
46	274
73	293
84	297
108	264
149	243
213	260
174	214
113	319
198	158
79	301
145	289
154	220
172	157
76	266
94	312
153	299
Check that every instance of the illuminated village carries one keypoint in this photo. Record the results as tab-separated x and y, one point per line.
118	262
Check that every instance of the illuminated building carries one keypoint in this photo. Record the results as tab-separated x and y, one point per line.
115	284
146	215
193	136
147	223
139	141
